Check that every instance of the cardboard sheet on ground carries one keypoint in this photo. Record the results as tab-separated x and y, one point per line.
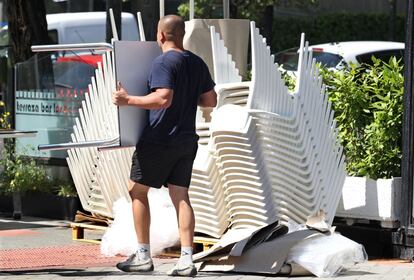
225	244
236	241
133	62
267	257
266	233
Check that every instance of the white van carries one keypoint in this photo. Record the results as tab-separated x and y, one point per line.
90	27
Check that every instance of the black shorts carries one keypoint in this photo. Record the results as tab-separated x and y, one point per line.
155	165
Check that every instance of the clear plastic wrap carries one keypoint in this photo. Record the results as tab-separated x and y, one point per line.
120	237
328	255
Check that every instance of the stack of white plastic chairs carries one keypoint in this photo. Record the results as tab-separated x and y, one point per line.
277	157
266	154
300	148
100	177
206	193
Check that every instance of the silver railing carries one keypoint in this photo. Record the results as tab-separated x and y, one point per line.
73	47
85	144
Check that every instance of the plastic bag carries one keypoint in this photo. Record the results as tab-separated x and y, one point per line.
120	238
328	255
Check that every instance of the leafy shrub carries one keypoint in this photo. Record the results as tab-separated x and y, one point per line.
4	117
20	173
61	188
368	104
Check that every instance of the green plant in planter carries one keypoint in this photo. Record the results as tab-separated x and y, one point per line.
368	104
20	173
65	190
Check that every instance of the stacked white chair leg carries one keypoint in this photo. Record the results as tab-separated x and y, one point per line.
206	195
304	161
100	177
241	170
276	157
229	85
206	192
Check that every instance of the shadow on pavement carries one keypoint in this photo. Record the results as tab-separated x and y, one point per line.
8	223
356	273
68	272
19	225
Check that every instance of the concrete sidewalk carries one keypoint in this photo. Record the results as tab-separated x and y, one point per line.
43	249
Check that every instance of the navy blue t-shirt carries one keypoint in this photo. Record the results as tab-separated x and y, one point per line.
188	76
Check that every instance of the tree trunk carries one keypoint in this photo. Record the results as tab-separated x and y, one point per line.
28	26
150	15
116	6
233	10
393	14
268	24
407	164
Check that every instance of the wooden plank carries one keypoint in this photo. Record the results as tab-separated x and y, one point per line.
206	242
88	226
78	232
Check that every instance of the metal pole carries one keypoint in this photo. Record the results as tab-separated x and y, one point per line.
84	144
226	9
73	47
162	8
407	166
191	9
403	238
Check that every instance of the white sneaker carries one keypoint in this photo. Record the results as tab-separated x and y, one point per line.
133	264
189	271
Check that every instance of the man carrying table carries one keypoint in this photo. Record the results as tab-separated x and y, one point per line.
179	81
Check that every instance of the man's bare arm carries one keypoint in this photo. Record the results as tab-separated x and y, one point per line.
208	99
158	99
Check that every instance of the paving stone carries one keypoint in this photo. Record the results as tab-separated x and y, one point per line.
257	277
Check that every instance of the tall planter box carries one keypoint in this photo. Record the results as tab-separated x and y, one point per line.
368	199
6	203
50	206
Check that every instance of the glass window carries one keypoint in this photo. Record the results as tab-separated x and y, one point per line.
53	36
289	59
4	36
383	55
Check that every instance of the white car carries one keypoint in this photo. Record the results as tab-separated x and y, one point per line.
337	55
73	28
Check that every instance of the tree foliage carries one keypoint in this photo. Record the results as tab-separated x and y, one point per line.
368	109
368	105
247	9
27	26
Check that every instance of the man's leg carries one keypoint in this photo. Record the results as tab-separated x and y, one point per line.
186	224
185	213
141	211
140	261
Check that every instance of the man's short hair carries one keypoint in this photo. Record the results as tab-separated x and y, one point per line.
173	27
